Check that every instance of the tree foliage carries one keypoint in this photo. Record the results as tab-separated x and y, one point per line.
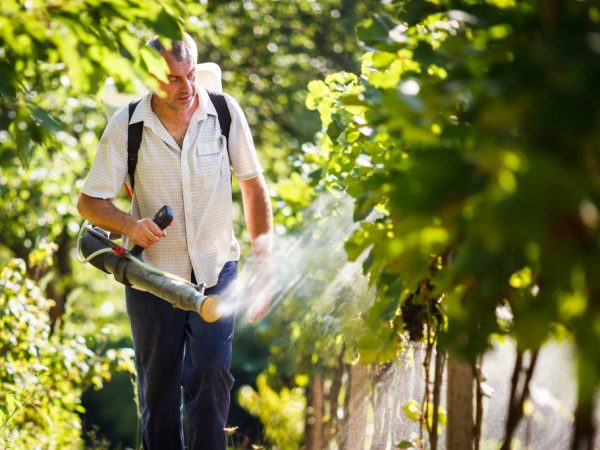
472	135
43	374
55	50
269	51
282	412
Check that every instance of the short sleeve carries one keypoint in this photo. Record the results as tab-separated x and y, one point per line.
242	154
109	168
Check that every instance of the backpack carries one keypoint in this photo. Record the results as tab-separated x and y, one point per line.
135	130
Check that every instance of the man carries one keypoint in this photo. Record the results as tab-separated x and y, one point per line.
183	162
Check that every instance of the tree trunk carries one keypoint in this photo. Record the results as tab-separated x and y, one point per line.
342	433
587	389
583	436
461	428
357	411
334	396
380	400
478	374
440	362
314	413
519	391
60	286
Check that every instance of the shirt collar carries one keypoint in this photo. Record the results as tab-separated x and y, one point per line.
205	106
143	112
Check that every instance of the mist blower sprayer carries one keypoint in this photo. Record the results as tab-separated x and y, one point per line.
128	267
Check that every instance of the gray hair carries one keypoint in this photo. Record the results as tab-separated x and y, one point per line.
179	49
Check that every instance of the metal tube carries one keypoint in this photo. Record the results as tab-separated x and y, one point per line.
180	295
126	271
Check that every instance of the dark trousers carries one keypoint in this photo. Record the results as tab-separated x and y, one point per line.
176	349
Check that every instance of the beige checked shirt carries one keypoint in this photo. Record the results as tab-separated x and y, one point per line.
194	180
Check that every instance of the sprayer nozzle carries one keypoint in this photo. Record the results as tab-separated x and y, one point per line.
209	310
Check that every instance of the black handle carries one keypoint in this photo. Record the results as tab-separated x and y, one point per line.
163	219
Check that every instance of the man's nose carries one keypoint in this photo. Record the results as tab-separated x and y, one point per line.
187	84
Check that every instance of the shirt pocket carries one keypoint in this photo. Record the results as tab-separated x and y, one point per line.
211	155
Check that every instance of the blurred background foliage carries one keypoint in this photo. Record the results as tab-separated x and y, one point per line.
55	57
269	51
465	133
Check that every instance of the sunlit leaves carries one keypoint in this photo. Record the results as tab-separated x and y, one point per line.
473	134
281	411
378	346
269	52
77	44
326	95
42	375
295	192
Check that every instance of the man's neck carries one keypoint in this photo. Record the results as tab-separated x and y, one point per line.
175	121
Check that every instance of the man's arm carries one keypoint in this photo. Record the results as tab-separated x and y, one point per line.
258	215
259	220
104	214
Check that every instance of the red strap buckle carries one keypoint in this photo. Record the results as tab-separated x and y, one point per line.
119	251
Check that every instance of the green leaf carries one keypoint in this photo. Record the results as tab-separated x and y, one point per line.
412	410
334	130
155	64
168	26
22	139
316	175
295	191
369	347
360	240
45	120
382	311
364	206
383	59
374	32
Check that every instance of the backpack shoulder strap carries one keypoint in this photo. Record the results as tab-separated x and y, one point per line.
134	140
222	112
135	130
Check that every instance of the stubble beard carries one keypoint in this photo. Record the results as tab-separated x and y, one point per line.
178	103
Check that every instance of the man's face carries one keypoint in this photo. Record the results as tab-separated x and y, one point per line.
179	91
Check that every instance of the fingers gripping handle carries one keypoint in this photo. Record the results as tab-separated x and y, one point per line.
163	219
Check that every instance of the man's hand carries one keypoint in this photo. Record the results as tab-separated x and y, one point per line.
102	213
146	233
259	291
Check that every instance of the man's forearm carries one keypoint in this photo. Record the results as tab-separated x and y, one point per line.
104	214
258	215
259	220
